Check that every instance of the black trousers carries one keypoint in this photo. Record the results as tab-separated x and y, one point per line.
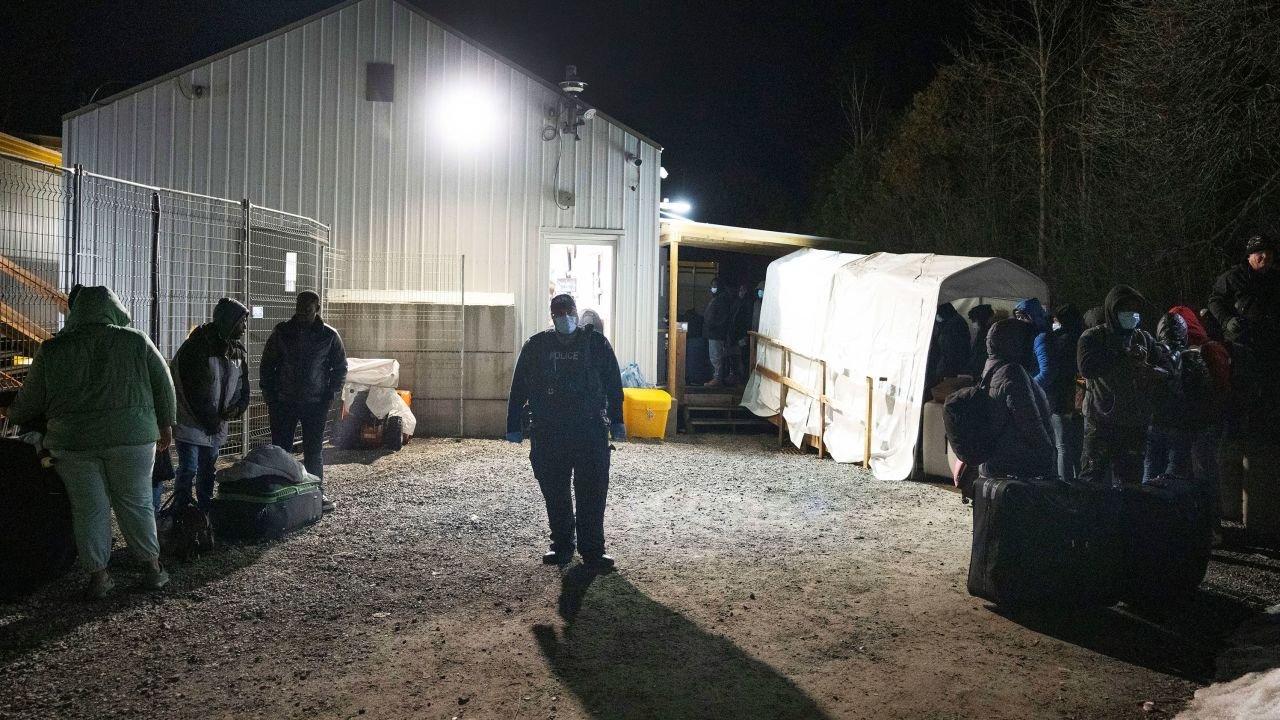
568	465
285	417
1113	454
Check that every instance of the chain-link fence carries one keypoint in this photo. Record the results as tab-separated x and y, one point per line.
168	255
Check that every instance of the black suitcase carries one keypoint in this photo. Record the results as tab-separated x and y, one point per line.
264	508
1168	541
36	539
1044	543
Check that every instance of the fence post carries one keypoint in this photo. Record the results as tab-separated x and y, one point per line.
245	256
462	347
155	269
75	226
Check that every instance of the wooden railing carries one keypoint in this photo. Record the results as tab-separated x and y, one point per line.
782	376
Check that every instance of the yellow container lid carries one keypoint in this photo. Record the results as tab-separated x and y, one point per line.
647	396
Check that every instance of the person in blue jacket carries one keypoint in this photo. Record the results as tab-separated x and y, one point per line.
567	394
1042	362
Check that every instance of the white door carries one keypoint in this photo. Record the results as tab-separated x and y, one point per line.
584	270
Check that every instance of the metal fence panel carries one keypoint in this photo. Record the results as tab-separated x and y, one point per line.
168	255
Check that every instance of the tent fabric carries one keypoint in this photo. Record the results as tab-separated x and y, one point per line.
878	315
373	372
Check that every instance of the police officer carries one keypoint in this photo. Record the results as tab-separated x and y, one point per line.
568	385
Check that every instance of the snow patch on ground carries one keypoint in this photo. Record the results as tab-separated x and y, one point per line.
1256	695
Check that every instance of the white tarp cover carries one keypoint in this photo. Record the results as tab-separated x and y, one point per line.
796	290
877	320
380	378
373	373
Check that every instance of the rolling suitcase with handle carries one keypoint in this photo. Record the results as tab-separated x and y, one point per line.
36	540
264	508
1167	543
1039	542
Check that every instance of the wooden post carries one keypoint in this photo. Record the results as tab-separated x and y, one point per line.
866	451
782	396
822	409
674	370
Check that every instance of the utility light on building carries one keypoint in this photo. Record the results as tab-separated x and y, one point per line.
467	116
679	207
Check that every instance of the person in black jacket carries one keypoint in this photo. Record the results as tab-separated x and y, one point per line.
211	379
1067	420
736	336
981	316
716	329
1246	303
949	349
303	368
1115	360
1025	445
567	389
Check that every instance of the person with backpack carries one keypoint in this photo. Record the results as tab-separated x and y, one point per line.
1019	411
1066	392
567	394
105	395
1207	455
1115	361
211	378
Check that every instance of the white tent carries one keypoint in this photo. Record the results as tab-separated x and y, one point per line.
877	316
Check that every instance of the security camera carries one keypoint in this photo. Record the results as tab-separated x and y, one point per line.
634	159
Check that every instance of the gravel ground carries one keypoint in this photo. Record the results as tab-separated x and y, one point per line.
752	584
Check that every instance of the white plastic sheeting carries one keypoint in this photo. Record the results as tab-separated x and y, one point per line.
867	316
379	377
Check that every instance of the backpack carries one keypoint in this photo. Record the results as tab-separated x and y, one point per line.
1203	403
970	419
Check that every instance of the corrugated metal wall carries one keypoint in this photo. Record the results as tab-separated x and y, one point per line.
284	122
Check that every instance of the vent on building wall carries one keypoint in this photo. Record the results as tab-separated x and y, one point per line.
380	82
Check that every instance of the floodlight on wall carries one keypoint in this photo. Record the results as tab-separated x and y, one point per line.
467	115
662	173
678	207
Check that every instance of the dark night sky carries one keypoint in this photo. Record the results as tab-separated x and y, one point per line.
743	94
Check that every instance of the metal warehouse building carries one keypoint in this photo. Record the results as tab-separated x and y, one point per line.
461	191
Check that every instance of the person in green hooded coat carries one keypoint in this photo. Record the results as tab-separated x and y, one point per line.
105	395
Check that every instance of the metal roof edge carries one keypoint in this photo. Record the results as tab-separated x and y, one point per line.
776	234
316	16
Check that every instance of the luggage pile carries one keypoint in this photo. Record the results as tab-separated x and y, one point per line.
374	413
264	496
1045	542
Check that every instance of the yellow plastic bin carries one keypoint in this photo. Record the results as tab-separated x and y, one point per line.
644	412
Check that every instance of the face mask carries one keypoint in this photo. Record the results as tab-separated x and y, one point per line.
760	294
715	290
1057	326
565	324
1129	320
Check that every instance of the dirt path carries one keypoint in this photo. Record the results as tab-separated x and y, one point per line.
753	584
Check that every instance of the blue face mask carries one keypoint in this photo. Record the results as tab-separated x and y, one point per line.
565	324
1129	320
715	290
760	294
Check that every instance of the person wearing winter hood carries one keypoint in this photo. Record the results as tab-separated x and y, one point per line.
1044	369
1120	380
108	401
211	377
1211	454
1025	446
303	368
567	395
1068	422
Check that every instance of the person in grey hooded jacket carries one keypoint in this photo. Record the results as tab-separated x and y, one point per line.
211	377
1025	446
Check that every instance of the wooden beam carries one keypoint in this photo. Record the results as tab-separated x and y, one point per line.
20	327
35	282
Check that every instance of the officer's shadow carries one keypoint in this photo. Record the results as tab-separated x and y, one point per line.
626	656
